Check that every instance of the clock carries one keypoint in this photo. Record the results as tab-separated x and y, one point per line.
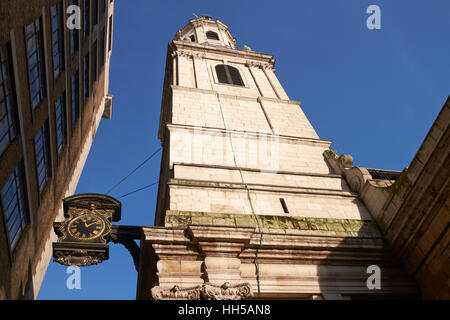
84	233
86	227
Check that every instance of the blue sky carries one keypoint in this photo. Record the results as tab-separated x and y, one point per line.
374	93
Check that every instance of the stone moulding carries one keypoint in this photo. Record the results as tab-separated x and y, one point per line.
177	45
259	187
173	127
206	291
199	258
276	223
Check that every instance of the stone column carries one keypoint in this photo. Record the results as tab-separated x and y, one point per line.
220	248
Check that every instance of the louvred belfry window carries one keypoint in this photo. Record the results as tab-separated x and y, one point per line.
212	35
229	75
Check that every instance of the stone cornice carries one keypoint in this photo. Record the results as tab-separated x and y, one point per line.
251	238
294	241
262	99
236	97
250	134
267	247
239	234
210	166
260	187
251	56
276	224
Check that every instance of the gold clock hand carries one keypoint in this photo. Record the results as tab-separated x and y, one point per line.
88	225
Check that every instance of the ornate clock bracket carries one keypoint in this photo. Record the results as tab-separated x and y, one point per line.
87	228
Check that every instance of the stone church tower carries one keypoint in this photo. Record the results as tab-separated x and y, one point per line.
251	202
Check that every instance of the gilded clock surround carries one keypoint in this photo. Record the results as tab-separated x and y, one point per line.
86	230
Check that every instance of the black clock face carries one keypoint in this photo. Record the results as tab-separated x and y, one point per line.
86	227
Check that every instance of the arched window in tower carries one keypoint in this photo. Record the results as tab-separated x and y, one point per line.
212	35
229	75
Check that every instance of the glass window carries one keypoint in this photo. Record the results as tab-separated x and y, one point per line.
95	13
13	206
57	39
221	73
86	21
8	129
60	109
75	86
235	76
103	3
102	47
110	33
73	33
42	153
229	75
86	76
33	35
94	61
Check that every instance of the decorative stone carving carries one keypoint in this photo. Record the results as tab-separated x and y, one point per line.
197	24
252	64
227	292
197	55
186	54
181	53
268	66
207	291
346	161
356	177
176	293
338	163
177	35
260	65
222	28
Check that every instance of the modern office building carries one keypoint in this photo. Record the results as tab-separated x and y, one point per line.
54	80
